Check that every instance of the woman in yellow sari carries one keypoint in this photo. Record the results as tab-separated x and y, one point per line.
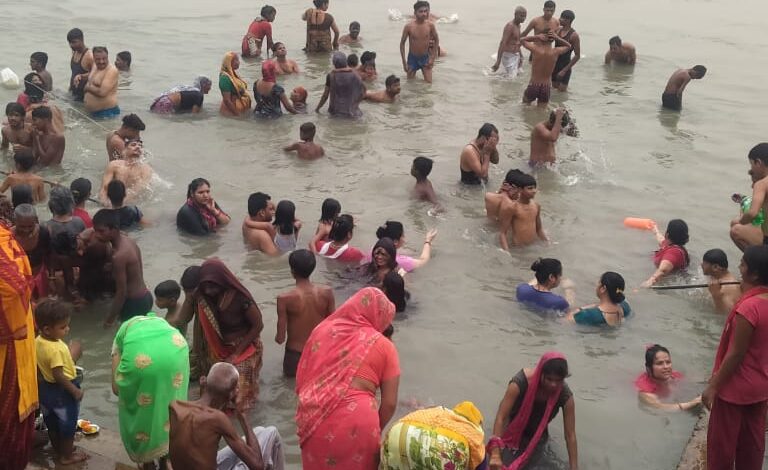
235	100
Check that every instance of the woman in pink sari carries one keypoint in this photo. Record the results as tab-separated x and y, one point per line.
533	399
345	360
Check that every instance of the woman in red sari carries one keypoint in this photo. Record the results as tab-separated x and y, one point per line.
231	323
345	360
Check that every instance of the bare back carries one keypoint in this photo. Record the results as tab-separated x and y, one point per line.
305	307
543	63
542	145
128	257
677	81
309	150
195	434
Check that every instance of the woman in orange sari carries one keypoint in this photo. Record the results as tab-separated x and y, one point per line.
231	323
235	100
18	361
345	360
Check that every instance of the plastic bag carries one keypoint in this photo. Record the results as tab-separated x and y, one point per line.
9	79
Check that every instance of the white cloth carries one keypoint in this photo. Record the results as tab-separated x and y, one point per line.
271	451
511	62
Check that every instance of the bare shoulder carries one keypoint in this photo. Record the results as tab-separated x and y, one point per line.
287	296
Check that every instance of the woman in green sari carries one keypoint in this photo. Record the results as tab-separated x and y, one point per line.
150	368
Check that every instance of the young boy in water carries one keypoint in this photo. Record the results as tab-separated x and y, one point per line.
307	149
17	132
715	265
37	62
419	32
354	34
24	161
301	309
59	388
523	217
167	295
507	194
423	190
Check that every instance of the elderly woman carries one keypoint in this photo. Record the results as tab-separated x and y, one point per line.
235	100
345	89
183	98
533	399
200	215
658	379
319	26
150	369
36	242
612	308
269	95
671	256
231	324
346	359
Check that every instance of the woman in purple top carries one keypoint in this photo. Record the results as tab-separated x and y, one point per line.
538	293
393	230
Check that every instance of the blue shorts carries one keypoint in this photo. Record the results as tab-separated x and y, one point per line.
59	407
106	113
417	62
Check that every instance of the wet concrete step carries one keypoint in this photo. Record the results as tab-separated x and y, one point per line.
105	451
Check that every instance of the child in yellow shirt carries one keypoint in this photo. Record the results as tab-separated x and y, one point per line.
59	391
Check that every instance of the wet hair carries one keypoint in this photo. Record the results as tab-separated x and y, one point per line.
74	33
420	4
60	201
339	60
557	367
330	209
388	331
15	108
116	192
24	159
302	263
756	260
341	228
423	166
352	60
391	80
98	49
81	189
391	229
650	356
190	278
614	286
132	121
758	153
545	267
256	202
169	289
35	92
614	41
549	4
513	177
393	286
196	183
389	246
307	130
563	122
568	15
320	3
368	56
107	218
40	57
42	112
267	10
125	56
24	210
524	180
275	46
21	194
285	216
486	130
353	24
51	312
716	257
677	232
700	70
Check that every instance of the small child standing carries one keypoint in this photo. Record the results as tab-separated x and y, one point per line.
328	212
307	149
24	161
37	62
167	295
59	390
422	190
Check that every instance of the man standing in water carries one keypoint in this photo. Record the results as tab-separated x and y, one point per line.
545	23
509	47
130	130
561	75
130	169
354	34
758	170
101	89
81	63
477	156
132	298
543	64
672	98
544	136
257	226
419	32
47	144
621	53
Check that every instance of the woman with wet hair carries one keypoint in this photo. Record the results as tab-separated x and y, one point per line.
658	380
612	307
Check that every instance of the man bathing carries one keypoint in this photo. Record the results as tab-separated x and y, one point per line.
24	161
388	94
509	53
672	98
258	231
522	217
561	75
758	171
544	136
129	130
620	52
135	174
307	149
47	144
283	65
81	63
101	89
477	156
715	265
354	34
37	62
544	23
544	58
17	133
418	33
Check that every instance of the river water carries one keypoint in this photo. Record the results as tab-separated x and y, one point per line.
464	335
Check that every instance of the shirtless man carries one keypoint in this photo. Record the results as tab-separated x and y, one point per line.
620	52
354	34
129	130
477	156
561	75
131	170
418	33
81	63
388	94
132	298
17	132
522	217
509	46
544	57
47	144
544	135
24	161
758	171
715	265
284	65
508	192
672	98
258	231
307	149
37	99
196	427
101	89
544	23
301	309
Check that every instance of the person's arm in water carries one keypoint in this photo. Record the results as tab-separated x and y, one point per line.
665	268
632	56
51	153
504	39
608	57
253	315
569	430
500	424
294	147
436	38
282	320
426	250
249	451
742	337
539	228
507	214
287	104
120	277
652	400
335	30
406	33
758	199
66	384
388	403
323	99
109	174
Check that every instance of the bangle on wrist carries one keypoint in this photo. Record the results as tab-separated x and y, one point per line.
427	242
680	405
